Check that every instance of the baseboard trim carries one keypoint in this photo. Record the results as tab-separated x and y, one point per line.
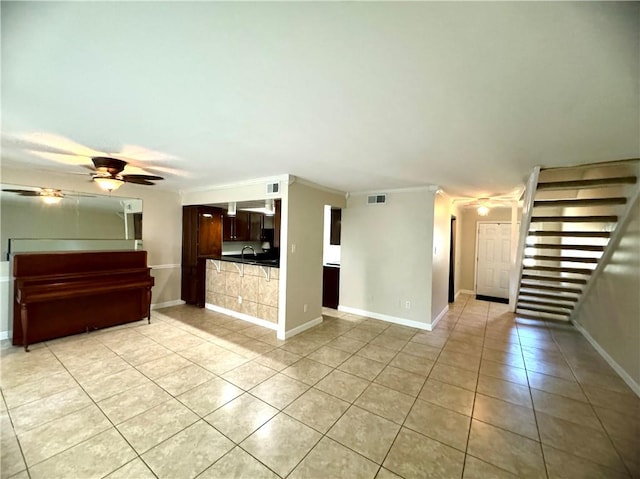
302	328
384	317
439	317
4	335
635	387
244	317
466	291
167	304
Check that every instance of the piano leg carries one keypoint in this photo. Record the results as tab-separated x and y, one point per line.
149	307
25	327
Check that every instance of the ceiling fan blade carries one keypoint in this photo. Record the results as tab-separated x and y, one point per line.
137	181
144	177
22	192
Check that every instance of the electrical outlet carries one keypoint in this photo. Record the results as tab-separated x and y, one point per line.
305	308
239	299
407	305
293	248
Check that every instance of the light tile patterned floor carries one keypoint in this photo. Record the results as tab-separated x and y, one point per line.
199	394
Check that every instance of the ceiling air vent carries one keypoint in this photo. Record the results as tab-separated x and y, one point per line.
273	188
379	199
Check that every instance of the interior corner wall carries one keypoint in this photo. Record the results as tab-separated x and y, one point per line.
304	244
468	230
161	228
387	255
441	249
610	314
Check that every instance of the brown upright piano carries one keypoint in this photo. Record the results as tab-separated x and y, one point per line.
63	293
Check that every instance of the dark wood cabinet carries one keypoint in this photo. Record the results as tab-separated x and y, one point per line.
236	228
201	238
330	287
336	221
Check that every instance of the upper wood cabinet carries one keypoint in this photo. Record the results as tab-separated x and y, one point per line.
236	228
244	226
336	225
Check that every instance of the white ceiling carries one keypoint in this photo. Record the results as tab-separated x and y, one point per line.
353	96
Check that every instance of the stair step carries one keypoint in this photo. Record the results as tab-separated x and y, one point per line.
572	234
559	185
586	271
521	304
618	200
575	219
544	310
571	259
522	315
571	299
557	279
562	289
579	247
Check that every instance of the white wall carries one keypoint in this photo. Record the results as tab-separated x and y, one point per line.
441	249
304	265
161	229
610	313
387	256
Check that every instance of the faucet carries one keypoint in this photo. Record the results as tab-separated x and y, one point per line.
247	247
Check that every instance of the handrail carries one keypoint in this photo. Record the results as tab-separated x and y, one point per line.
525	223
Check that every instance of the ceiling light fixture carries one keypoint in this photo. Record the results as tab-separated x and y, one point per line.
51	196
483	210
269	207
108	183
231	210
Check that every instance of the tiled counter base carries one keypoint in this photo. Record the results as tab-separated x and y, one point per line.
259	295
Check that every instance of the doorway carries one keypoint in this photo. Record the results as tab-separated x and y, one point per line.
493	261
452	261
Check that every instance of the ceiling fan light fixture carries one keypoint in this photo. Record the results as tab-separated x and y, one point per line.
51	200
50	196
108	183
483	210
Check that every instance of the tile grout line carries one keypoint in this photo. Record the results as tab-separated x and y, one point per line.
533	407
593	410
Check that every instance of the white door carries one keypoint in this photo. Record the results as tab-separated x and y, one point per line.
494	259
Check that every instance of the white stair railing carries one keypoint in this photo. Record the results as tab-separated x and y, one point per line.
525	223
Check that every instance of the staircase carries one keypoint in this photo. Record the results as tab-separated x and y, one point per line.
569	223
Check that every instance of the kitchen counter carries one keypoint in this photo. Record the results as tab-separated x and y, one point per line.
259	260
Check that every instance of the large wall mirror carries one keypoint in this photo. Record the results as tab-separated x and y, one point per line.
33	213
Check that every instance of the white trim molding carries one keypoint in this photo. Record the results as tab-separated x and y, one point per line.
300	329
4	335
384	317
164	266
166	304
244	317
466	291
635	387
439	317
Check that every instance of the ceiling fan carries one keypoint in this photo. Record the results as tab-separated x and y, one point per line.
108	174
108	162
